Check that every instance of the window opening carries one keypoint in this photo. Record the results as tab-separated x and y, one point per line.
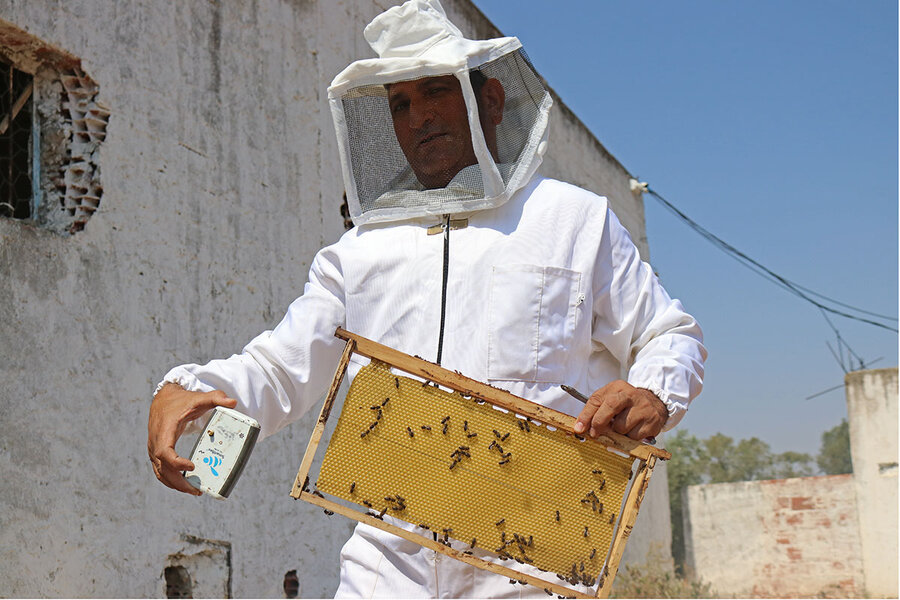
17	187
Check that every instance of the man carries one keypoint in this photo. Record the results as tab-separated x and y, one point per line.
542	287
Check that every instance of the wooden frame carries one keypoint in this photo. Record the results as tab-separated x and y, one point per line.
644	454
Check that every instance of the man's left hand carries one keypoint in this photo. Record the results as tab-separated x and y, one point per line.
622	408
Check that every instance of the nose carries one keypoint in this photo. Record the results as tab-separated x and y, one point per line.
420	114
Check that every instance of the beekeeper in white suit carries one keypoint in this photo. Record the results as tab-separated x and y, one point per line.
461	254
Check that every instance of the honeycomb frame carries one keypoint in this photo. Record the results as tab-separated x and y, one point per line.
455	458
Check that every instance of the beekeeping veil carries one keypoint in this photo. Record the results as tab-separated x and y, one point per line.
414	42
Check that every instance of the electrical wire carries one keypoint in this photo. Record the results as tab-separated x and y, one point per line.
782	282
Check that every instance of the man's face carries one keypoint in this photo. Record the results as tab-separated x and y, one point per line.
432	128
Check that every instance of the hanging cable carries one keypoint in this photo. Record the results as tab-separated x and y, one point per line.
759	269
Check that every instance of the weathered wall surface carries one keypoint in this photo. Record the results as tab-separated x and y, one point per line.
872	411
787	538
220	180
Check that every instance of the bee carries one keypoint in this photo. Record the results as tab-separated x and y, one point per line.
375	407
372	425
585	531
497	433
444	428
396	383
426	428
519	423
557	516
527	428
386	400
410	431
597	471
503	462
493	444
352	487
612	518
445	419
328	512
424	526
472	544
503	439
593	553
383	510
363	434
530	541
465	426
425	383
367	504
600	509
499	523
317	493
602	485
471	435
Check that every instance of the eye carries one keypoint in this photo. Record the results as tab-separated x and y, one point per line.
437	90
399	106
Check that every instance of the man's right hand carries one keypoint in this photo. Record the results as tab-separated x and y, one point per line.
171	411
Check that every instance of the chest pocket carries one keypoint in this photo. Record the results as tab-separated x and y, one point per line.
531	322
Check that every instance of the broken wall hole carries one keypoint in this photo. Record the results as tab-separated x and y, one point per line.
178	582
291	584
201	568
55	127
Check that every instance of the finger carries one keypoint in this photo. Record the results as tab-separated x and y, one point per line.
169	459
205	402
624	423
612	406
648	427
176	481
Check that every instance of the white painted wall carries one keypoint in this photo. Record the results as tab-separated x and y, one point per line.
220	181
782	538
872	409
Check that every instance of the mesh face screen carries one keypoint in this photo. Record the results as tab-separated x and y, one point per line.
380	155
476	474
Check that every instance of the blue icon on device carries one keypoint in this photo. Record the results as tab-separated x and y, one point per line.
213	461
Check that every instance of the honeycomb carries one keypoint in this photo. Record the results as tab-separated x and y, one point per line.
475	473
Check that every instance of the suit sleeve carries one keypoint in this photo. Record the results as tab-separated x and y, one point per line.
282	373
645	329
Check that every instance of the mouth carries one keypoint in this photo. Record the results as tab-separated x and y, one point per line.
430	138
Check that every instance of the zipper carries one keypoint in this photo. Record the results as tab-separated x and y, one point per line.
446	269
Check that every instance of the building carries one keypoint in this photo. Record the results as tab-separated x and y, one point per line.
183	172
830	536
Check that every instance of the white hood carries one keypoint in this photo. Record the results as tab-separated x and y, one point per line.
415	41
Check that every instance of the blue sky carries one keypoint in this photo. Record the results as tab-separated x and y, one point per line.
774	125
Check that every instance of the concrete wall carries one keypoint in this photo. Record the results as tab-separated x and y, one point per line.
220	180
872	411
784	538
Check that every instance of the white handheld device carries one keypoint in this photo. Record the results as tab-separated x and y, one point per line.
221	451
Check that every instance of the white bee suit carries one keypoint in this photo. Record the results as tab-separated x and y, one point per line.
543	286
544	290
